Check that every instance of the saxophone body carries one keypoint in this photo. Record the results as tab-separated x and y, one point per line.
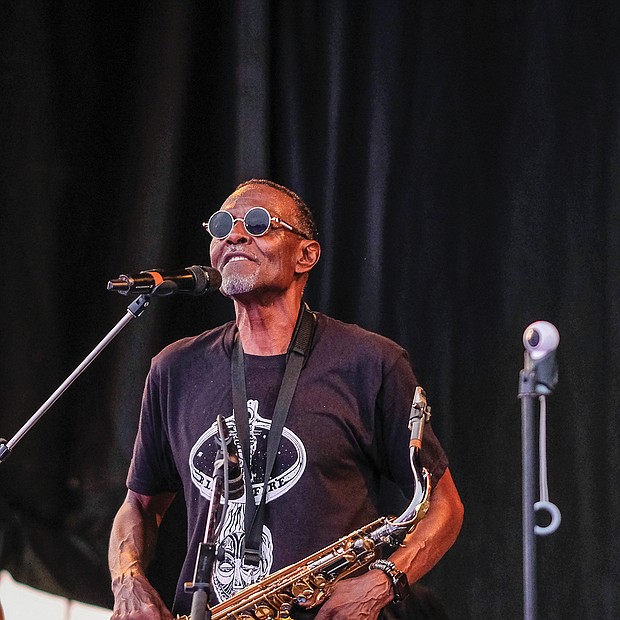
309	582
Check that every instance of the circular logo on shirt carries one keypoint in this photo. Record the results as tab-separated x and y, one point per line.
289	465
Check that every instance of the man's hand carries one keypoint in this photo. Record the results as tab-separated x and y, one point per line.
136	599
358	598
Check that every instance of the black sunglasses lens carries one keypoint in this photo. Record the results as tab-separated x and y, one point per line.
257	221
220	224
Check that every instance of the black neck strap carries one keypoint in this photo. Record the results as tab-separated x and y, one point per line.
298	352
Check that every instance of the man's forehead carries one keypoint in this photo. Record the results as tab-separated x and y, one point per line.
259	196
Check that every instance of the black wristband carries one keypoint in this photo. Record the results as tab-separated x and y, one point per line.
400	584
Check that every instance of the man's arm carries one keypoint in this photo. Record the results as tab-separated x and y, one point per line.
132	544
364	597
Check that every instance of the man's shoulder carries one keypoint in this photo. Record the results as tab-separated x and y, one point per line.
209	342
335	331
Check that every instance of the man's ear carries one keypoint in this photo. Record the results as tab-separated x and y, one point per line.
310	252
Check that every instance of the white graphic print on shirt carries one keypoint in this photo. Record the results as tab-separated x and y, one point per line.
231	574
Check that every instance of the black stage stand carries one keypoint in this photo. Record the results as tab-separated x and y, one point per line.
134	310
537	380
194	280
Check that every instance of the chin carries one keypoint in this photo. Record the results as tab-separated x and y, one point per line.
238	284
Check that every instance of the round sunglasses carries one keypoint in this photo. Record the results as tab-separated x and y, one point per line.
257	222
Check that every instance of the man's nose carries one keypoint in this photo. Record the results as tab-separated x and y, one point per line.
238	234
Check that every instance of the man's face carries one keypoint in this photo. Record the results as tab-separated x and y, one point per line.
257	264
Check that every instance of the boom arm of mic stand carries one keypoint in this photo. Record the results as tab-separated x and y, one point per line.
134	310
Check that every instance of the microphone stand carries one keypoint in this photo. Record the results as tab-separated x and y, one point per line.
537	379
205	557
134	310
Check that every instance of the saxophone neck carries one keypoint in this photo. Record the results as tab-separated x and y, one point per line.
419	415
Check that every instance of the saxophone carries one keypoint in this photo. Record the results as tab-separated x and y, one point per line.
309	582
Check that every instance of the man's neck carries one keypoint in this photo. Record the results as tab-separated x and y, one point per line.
266	329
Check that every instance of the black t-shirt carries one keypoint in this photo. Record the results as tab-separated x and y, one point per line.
346	428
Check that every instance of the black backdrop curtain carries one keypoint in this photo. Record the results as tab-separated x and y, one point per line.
462	161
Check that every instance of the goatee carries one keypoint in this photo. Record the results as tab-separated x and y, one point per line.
237	284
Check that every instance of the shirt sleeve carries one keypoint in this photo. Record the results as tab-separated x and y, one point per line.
393	406
152	469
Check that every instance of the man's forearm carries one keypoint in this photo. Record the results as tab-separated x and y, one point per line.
132	542
434	534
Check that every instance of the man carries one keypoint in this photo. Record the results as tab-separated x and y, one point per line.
346	427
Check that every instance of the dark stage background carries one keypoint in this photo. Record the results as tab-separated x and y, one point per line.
462	160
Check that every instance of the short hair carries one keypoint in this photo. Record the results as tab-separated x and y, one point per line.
306	217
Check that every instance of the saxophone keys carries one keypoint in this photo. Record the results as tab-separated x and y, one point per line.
264	612
320	581
301	591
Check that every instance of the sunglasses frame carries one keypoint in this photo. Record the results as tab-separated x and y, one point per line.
234	220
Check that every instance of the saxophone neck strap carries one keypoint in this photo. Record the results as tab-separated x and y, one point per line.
298	352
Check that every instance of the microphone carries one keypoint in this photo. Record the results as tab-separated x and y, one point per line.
236	485
540	339
194	280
